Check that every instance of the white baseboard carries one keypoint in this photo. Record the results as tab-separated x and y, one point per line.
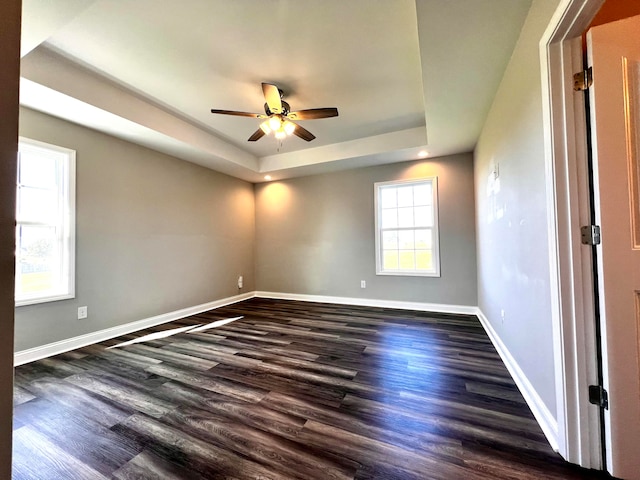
44	351
547	421
540	411
371	302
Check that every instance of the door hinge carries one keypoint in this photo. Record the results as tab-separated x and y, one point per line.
598	396
590	235
583	80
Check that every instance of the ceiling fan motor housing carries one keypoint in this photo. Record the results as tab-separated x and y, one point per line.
285	109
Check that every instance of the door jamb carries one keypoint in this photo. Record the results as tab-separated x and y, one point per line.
570	265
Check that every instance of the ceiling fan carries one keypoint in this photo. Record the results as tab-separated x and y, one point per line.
278	116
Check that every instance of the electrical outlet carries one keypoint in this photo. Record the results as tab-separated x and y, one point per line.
502	315
363	284
82	312
240	282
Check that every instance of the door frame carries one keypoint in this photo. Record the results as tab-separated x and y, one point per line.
568	197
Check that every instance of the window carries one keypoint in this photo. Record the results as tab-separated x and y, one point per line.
45	223
407	228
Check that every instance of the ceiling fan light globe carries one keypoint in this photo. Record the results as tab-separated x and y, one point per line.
274	123
264	126
280	134
289	127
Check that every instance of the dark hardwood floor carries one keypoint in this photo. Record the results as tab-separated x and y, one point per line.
291	391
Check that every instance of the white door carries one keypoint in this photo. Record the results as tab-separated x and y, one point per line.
614	54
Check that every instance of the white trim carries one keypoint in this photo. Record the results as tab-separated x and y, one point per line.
545	418
370	302
571	301
540	411
44	351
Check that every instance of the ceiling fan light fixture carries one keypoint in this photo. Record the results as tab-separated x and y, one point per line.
264	126
289	127
280	134
275	123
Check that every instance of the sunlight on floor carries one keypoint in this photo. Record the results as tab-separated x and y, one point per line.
175	331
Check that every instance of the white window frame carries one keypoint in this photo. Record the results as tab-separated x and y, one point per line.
435	272
66	224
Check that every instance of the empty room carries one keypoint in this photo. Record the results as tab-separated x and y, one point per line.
293	239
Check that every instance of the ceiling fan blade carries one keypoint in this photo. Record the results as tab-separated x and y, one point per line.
303	133
257	135
313	113
272	97
239	114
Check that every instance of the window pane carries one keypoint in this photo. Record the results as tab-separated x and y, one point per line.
424	239
405	217
37	170
389	198
424	260
389	218
38	266
406	239
37	204
424	216
390	260
422	194
389	240
407	261
405	196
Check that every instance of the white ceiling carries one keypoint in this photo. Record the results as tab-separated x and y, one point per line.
405	75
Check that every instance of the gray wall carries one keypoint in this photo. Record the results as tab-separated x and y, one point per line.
154	234
9	78
513	253
316	234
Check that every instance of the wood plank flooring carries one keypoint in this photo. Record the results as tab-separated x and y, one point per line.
293	390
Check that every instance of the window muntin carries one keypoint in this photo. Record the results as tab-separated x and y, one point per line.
45	221
407	228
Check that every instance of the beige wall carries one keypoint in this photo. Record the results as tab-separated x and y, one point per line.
513	251
316	234
154	234
9	77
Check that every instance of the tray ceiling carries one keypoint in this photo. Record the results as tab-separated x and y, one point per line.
405	75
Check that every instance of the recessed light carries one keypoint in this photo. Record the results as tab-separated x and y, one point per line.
423	153
267	177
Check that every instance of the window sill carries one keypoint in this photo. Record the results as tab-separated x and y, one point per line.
410	274
50	298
